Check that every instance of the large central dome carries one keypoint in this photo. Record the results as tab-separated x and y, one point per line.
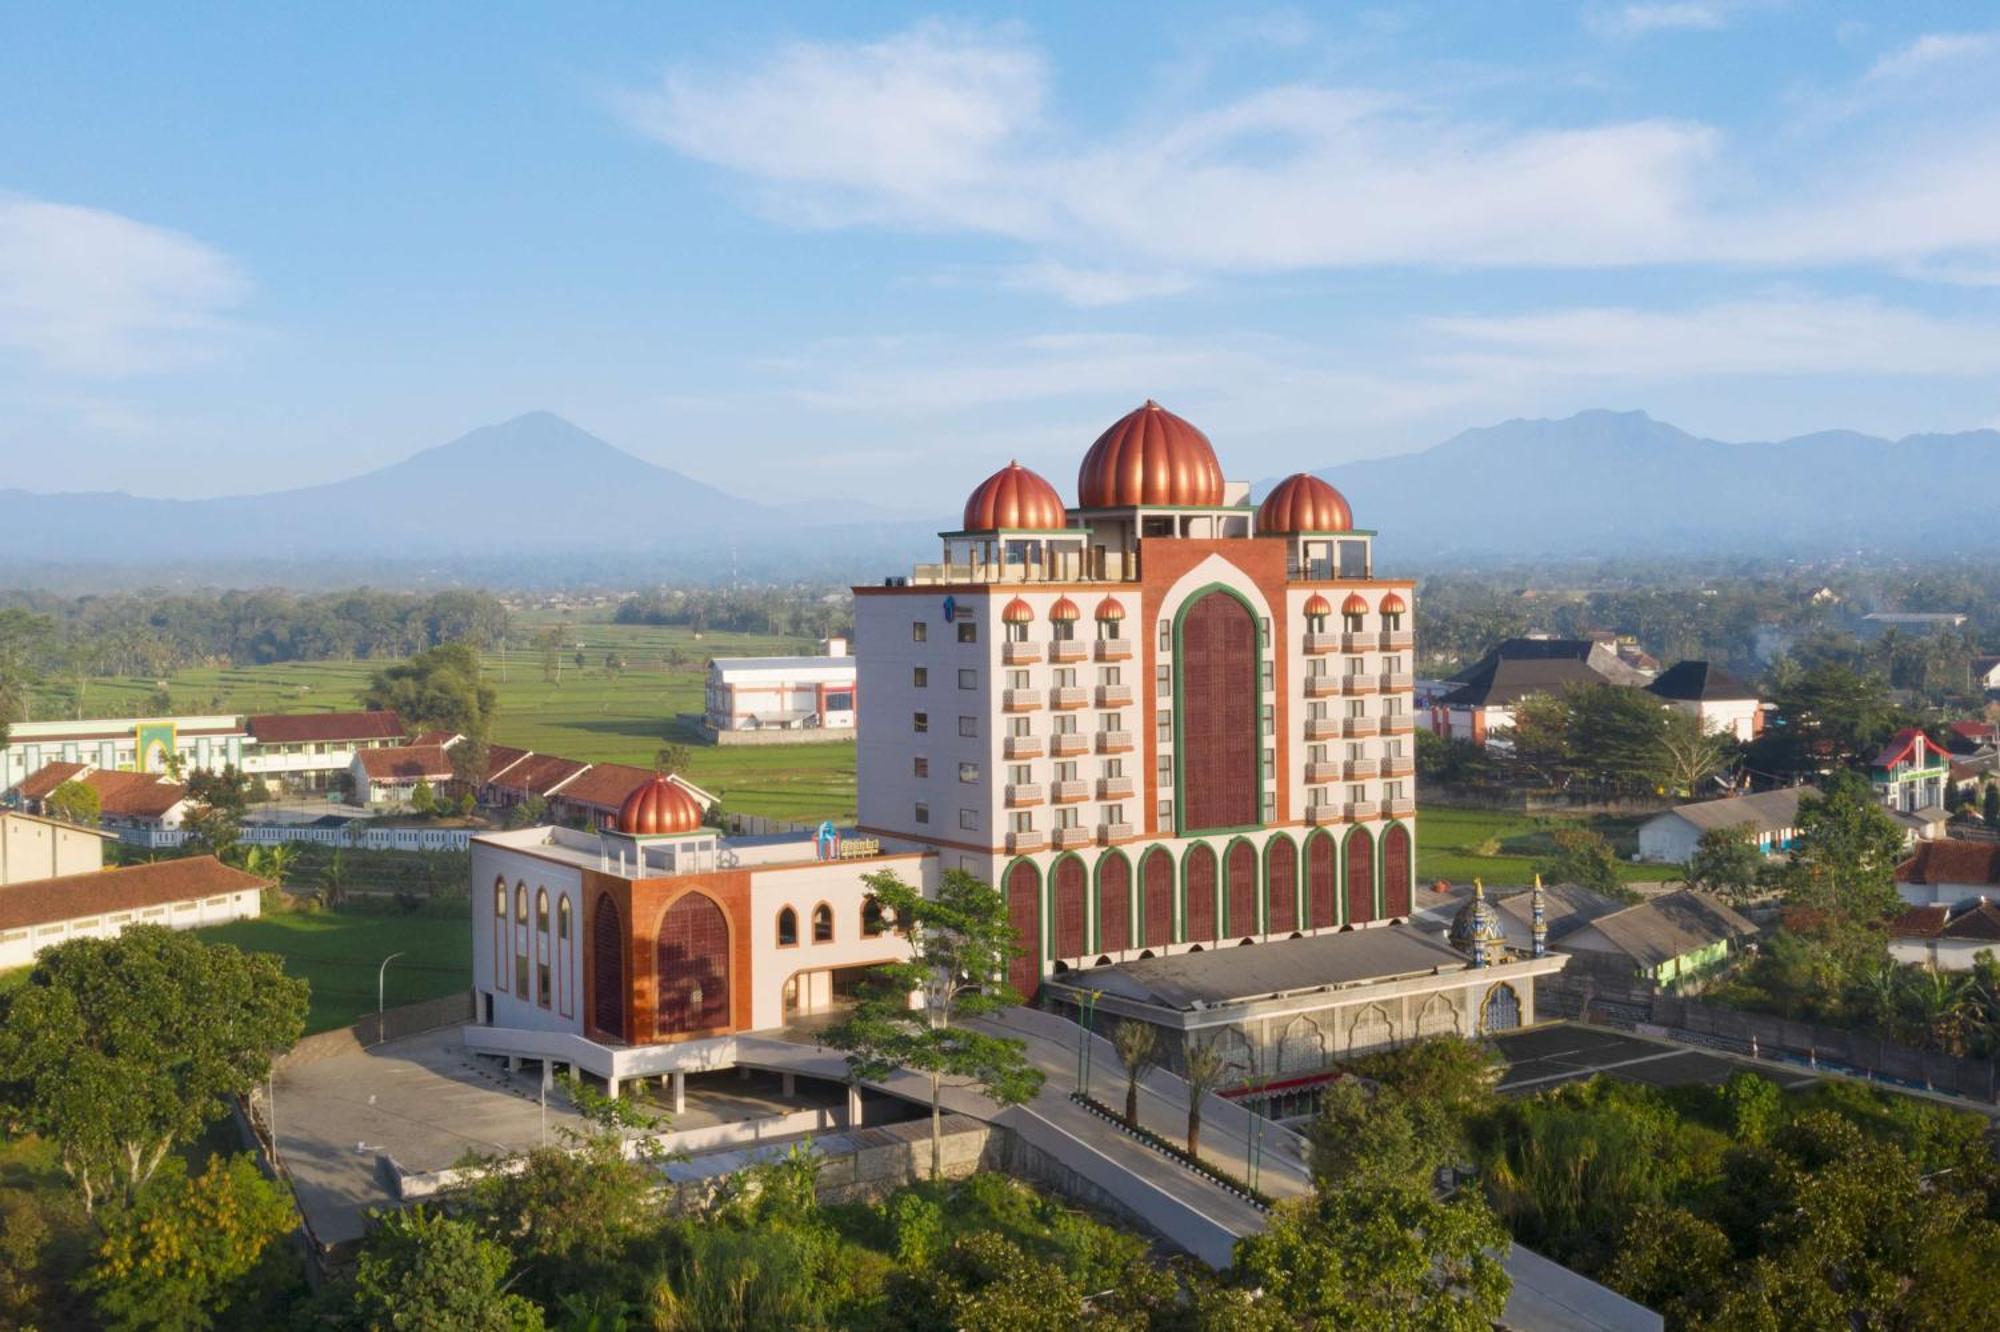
1150	457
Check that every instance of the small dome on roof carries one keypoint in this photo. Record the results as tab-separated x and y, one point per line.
1149	457
1478	921
1111	608
1065	609
1356	604
1318	607
1015	499
1017	611
1304	503
1393	604
659	807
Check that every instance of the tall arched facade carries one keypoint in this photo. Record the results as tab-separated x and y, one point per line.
1216	714
1240	875
1024	913
1157	898
1199	871
1114	903
1281	885
1069	910
691	970
607	968
1398	871
1322	882
1360	877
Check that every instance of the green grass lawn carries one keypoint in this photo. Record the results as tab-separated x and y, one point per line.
338	952
1502	848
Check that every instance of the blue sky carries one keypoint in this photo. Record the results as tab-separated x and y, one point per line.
872	251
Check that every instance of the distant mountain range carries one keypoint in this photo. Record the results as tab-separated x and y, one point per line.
1620	483
538	500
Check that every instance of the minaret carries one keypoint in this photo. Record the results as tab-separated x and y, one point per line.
1478	923
1541	923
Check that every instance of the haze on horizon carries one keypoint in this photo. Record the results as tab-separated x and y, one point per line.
795	253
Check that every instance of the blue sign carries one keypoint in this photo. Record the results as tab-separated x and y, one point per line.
950	608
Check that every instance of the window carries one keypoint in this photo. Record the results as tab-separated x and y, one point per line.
968	727
788	928
1163	681
1016	633
1392	665
920	766
562	920
1270	719
920	722
919	631
920	677
1357	707
1166	636
1392	790
1270	806
968	632
1020	726
1163	727
521	907
1114	767
1265	678
1270	763
1108	630
1066	677
542	984
541	911
1352	622
1164	811
1066	816
1392	620
1108	675
968	773
500	899
1065	723
968	819
1164	766
822	924
1110	721
1114	814
922	812
874	922
1264	631
840	700
968	677
1021	821
1064	631
1357	793
1066	770
521	975
1017	679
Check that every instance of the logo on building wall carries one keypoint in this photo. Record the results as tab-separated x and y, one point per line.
154	746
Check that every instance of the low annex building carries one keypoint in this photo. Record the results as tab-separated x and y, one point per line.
127	801
1667	940
767	699
1949	873
126	744
38	848
303	751
181	894
1946	938
1482	701
1772	817
1723	703
390	776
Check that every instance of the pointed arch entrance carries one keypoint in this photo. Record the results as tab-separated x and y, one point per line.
1281	886
1322	883
1069	907
1024	913
1360	877
607	968
1114	903
1240	868
691	977
1199	870
1397	871
1156	882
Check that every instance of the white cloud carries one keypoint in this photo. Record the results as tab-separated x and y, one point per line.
1934	49
1638	20
89	292
1090	287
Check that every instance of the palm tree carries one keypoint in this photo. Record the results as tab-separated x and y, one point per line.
1204	1069
333	879
278	862
1138	1046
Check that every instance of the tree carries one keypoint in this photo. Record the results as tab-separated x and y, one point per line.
1989	807
571	1214
1823	717
1674	1262
1615	735
333	878
180	1254
986	1283
436	690
423	799
1138	1046
75	802
1203	1069
1842	867
116	1050
1380	1256
1726	861
421	1269
671	758
1690	752
471	764
1582	856
223	789
960	946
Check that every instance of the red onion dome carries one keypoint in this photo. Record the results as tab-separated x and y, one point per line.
1304	503
1149	456
1017	611
1318	607
1111	608
1065	610
1355	604
1017	500
659	806
1393	604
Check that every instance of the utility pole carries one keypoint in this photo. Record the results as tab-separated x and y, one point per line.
381	979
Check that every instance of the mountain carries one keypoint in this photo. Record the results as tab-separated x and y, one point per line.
1611	484
528	489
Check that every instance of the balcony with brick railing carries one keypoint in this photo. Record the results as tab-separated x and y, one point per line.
1321	815
1116	788
1114	832
1069	649
1032	840
1079	836
1114	696
1114	742
1399	767
1403	723
1068	793
1020	654
1322	686
1360	727
1023	793
1322	772
1073	696
1114	649
1357	810
1357	641
1068	743
1399	684
1398	640
1021	700
1023	746
1323	728
1359	684
1318	645
1362	769
1399	808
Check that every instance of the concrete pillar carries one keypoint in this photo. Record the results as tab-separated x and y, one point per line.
788	1083
680	1082
611	1088
513	1063
853	1106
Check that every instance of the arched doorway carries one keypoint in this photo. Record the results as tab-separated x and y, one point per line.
1360	877
1501	1010
607	968
1069	907
1216	720
692	976
1322	883
1396	870
1114	903
1240	866
1157	890
1200	870
1024	913
1281	886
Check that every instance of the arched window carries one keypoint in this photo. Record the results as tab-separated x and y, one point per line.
1352	621
873	923
692	967
607	970
1070	911
562	918
521	903
500	898
541	911
822	924
1017	632
1392	620
788	928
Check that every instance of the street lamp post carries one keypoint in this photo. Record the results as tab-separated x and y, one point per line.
381	979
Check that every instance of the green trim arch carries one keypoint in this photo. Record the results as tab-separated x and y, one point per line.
1257	619
1305	881
1049	918
1186	930
1374	873
1297	885
1040	948
1142	933
1227	928
1097	901
1382	864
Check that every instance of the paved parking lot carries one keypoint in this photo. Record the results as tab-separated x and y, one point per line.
1548	1056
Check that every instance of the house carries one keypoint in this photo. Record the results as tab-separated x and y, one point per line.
1986	674
38	848
304	751
1949	872
527	777
1946	938
129	744
1482	703
1923	825
1878	623
1670	837
1667	940
133	805
181	894
1911	771
1970	737
1723	703
390	776
777	699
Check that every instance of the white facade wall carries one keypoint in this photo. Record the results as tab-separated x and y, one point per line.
837	884
39	849
1945	894
18	947
112	744
499	942
1941	954
1667	839
741	696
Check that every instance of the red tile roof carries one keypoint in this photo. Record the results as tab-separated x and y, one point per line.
73	896
1903	745
605	786
135	795
38	785
1949	860
406	763
1920	922
538	774
291	728
500	758
1981	920
442	739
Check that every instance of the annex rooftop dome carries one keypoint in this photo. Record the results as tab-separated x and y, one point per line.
1150	457
1304	503
660	807
1015	499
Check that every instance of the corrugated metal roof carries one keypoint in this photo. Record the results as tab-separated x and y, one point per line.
1231	973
